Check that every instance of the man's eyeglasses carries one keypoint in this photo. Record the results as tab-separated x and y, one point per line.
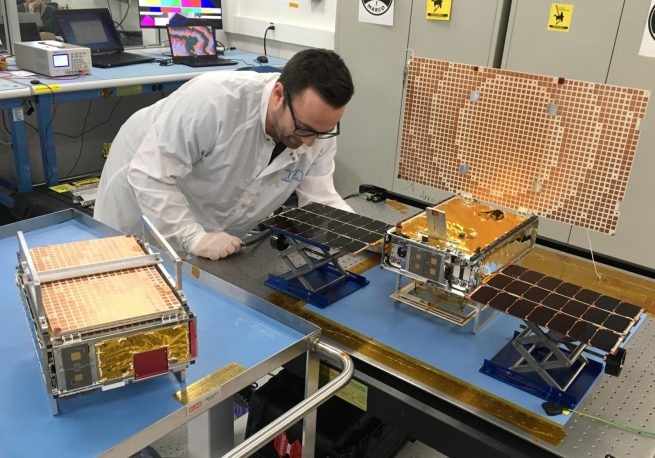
304	131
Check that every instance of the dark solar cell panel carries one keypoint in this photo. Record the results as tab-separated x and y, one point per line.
536	294
583	331
329	226
338	226
561	323
628	310
484	294
595	315
347	217
582	314
324	237
370	237
357	233
541	315
606	303
568	289
300	228
500	281
321	221
514	270
355	246
360	220
298	214
617	323
549	283
340	242
503	301
574	308
531	276
605	339
555	301
311	232
333	213
376	226
517	287
315	207
587	296
521	308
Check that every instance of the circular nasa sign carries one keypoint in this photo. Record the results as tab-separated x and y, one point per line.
651	22
377	7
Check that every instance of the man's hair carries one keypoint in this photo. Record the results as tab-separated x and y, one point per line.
320	69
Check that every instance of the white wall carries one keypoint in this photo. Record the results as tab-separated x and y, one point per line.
310	24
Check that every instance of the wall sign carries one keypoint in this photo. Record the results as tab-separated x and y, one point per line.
647	48
560	16
376	11
438	10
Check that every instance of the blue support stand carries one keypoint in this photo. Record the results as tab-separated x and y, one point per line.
320	280
552	370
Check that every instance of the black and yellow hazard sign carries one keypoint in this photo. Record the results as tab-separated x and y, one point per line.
438	10
560	16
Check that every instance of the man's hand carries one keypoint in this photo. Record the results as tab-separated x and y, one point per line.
216	245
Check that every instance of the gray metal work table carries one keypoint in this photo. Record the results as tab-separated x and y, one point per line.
454	417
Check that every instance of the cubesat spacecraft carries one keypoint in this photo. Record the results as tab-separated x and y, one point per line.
104	313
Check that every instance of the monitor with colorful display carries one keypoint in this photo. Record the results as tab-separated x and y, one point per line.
158	13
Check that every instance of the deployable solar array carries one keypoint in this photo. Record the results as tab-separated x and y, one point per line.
521	144
582	314
560	148
104	313
319	279
324	225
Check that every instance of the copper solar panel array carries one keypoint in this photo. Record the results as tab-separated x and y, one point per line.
325	225
84	252
581	314
560	148
92	301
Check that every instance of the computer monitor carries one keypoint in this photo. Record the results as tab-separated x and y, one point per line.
157	13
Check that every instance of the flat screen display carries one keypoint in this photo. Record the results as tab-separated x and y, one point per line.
60	60
158	13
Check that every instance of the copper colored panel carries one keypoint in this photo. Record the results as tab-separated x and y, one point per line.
110	298
469	226
85	252
561	148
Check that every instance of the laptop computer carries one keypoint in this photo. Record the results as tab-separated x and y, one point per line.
94	28
194	45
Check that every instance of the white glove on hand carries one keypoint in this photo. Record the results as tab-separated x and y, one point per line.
216	245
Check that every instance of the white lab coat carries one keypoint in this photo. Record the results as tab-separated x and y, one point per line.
197	162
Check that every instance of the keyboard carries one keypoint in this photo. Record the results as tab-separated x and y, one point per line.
119	59
207	63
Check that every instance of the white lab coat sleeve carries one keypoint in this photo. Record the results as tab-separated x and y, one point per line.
318	183
173	144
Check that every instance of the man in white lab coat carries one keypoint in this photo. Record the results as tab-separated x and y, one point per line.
225	150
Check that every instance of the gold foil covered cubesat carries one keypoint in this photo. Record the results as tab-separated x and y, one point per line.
105	313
